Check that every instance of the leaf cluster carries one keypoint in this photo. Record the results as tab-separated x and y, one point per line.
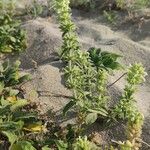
104	60
9	74
12	37
15	120
86	72
35	9
7	7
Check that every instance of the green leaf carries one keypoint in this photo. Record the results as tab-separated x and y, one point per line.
113	56
5	108
19	115
100	111
61	145
68	106
19	104
1	87
105	60
115	65
17	64
11	125
11	136
22	145
91	118
24	78
13	92
5	65
46	148
12	39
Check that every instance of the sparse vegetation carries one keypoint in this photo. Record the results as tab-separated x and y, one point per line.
110	16
79	2
35	9
86	74
90	89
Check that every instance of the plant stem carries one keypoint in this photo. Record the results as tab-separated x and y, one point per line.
116	80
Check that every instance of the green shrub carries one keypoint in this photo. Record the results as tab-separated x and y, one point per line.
12	37
7	7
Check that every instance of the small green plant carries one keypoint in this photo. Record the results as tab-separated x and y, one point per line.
127	110
139	4
15	120
79	2
9	74
110	16
35	9
12	37
12	119
121	3
87	73
7	7
84	144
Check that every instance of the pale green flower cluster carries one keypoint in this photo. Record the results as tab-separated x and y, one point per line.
83	143
136	74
